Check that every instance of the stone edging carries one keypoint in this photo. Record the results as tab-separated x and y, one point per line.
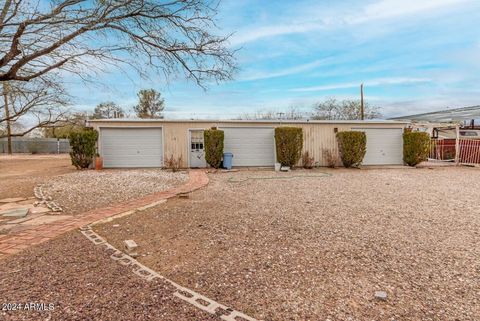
199	301
45	199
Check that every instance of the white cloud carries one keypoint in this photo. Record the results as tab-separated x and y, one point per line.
272	31
370	83
284	72
394	8
384	9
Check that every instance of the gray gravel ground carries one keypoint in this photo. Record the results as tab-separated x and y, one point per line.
318	248
85	190
83	283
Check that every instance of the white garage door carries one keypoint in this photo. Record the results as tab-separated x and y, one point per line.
250	146
131	147
384	146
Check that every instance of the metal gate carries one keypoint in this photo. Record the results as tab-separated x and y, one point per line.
446	150
469	151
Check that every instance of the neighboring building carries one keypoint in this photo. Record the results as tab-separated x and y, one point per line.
146	142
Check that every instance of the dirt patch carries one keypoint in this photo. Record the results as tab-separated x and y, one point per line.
85	190
20	173
83	283
320	247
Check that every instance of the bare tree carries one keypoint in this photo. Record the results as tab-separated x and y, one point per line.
291	113
108	110
259	115
333	109
150	104
35	104
81	36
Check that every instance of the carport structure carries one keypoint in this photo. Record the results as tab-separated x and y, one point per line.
455	135
147	142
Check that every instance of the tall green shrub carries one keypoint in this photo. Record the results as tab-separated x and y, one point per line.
352	146
415	147
289	144
82	144
213	146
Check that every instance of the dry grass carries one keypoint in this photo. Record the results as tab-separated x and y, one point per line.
319	247
19	173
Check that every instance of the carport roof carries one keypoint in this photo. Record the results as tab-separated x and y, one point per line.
445	116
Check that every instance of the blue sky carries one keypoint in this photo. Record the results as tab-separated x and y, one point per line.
412	55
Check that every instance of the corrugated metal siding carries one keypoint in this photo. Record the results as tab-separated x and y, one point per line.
317	136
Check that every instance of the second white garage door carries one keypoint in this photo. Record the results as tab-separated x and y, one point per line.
131	147
250	146
384	146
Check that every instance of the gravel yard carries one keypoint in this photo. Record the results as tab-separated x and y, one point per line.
317	248
85	190
83	283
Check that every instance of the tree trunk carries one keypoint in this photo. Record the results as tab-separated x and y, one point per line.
7	116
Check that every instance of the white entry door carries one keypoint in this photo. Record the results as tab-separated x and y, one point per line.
197	149
250	146
384	146
131	147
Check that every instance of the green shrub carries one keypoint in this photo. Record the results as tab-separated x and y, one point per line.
213	147
415	147
82	146
352	147
289	143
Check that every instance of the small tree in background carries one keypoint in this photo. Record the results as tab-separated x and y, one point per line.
352	146
108	110
289	145
150	104
213	146
415	147
74	123
83	147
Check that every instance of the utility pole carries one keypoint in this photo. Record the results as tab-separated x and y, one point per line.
457	144
7	116
362	110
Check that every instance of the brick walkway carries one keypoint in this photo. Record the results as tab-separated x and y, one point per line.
16	242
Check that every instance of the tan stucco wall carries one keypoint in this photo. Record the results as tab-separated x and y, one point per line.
317	136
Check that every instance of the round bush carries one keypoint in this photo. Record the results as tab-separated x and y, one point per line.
289	144
82	144
416	146
352	146
213	146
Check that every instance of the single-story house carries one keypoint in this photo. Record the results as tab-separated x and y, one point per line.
147	142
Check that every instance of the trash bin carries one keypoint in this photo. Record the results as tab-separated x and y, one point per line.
227	160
